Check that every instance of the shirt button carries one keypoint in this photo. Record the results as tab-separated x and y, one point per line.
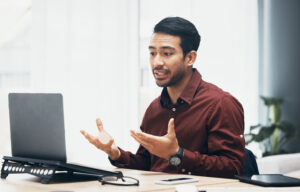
241	136
174	109
183	170
189	173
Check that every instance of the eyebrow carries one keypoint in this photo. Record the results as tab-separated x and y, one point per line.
163	47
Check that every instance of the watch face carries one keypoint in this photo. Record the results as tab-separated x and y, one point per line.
175	161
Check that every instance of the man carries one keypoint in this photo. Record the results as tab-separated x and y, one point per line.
194	127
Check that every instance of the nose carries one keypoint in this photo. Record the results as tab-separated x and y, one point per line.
158	61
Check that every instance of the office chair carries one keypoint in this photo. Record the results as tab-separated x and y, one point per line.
250	166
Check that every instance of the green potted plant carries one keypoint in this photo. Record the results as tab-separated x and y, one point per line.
275	133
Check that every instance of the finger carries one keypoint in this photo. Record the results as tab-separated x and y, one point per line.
147	137
171	130
133	134
110	142
143	143
89	137
147	140
82	132
99	124
95	141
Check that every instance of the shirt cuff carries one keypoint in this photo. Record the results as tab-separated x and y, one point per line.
188	161
121	161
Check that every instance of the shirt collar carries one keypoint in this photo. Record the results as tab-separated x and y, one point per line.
188	92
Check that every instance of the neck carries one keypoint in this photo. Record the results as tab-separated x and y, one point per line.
176	90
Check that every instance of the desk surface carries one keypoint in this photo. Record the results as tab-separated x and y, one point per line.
26	182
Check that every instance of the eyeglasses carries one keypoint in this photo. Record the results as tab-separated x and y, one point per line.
121	181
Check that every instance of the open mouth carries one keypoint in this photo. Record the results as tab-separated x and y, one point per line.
160	74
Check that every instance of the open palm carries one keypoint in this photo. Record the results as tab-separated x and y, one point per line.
103	141
161	146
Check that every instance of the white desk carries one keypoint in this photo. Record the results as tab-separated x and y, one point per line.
26	182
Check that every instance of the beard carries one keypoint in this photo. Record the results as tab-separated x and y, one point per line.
175	78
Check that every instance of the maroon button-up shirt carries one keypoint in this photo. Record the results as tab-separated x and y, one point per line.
209	125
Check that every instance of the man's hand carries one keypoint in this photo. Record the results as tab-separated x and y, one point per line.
103	141
161	146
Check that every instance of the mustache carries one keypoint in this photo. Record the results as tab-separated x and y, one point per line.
160	69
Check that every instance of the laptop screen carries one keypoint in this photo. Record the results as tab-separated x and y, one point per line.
37	126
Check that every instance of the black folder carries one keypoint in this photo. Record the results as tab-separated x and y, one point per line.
270	180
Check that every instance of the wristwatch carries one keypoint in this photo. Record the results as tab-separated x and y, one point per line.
176	159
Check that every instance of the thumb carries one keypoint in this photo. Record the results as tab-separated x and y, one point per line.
171	130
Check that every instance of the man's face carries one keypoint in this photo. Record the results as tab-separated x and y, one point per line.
166	59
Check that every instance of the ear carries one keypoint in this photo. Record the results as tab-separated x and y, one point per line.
190	58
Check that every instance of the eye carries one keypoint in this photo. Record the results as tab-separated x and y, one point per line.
167	53
152	53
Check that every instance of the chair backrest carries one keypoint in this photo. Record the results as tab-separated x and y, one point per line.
250	166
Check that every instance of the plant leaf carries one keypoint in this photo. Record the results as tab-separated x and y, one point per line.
248	138
266	100
264	132
271	100
254	127
287	128
275	113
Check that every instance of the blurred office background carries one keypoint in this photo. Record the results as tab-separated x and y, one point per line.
95	53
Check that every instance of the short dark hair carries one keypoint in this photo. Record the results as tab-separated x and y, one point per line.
177	26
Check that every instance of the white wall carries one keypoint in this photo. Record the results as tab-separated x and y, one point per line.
93	52
228	52
15	24
87	50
